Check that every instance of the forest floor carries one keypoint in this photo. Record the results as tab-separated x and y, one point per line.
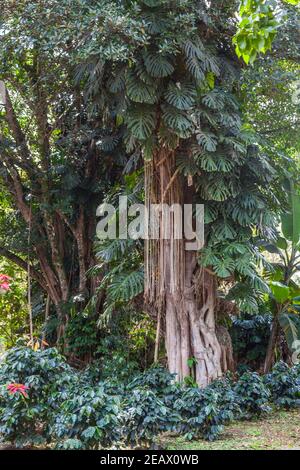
279	431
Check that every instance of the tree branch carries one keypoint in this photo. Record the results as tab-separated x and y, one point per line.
15	128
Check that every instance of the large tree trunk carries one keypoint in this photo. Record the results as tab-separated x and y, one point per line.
191	332
183	294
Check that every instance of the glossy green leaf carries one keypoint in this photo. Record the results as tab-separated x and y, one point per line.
280	292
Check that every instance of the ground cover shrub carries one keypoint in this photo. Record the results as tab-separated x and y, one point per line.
284	385
252	394
88	418
156	378
45	401
228	400
28	379
250	335
203	413
145	416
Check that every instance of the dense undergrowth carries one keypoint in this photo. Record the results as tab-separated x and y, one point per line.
70	409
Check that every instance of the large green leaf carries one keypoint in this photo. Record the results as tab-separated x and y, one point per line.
280	292
158	65
290	323
139	91
290	221
296	218
182	96
141	122
207	140
282	243
177	120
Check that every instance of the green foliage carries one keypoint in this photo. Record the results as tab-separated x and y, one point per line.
156	72
13	307
256	29
291	220
250	335
87	418
290	324
202	412
141	122
161	74
284	384
142	334
24	421
139	91
145	416
292	2
124	279
281	293
155	378
126	286
69	409
82	335
253	395
182	96
158	65
208	141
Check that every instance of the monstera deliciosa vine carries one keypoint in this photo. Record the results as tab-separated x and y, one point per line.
168	75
